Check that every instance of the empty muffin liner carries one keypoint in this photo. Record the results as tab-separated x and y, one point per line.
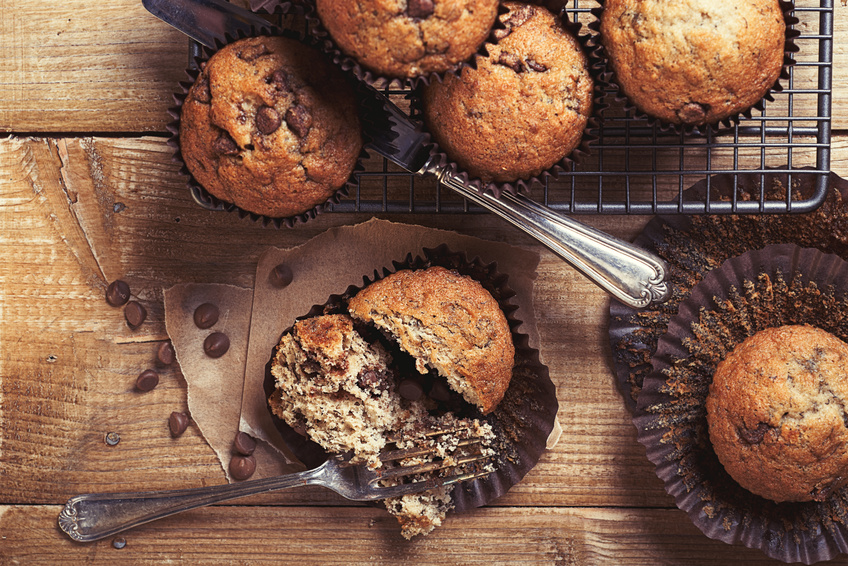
522	421
694	245
203	197
606	76
773	286
564	165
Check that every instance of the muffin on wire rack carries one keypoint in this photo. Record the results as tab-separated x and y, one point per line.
270	127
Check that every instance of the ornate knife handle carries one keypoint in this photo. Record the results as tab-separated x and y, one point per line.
632	275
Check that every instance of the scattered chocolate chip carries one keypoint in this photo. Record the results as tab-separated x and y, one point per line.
242	467
755	435
281	276
693	113
244	444
279	79
200	92
178	423
225	145
439	391
299	120
512	61
119	543
147	380
535	66
267	120
253	52
410	389
117	293
165	353
112	438
216	344
135	314
420	8
206	315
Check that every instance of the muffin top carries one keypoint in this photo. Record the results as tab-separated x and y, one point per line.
408	38
694	62
777	415
523	109
271	126
448	322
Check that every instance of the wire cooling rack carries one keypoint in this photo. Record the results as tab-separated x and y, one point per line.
638	168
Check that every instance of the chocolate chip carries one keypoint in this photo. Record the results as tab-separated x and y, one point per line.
244	444
206	315
135	314
178	423
267	120
693	113
279	79
117	293
535	66
216	344
281	276
147	380
299	120
512	61
200	91
410	389
439	391
755	435
165	353
420	8
225	145
242	467
253	52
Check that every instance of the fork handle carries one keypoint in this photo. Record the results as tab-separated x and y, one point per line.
633	275
94	516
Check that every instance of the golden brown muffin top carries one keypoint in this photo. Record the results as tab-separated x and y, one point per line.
523	109
777	413
271	126
408	38
694	62
446	321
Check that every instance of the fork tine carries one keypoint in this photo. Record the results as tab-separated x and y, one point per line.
452	462
426	485
401	453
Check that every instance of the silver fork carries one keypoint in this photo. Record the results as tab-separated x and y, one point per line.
94	516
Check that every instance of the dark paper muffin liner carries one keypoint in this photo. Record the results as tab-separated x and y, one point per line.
564	165
778	285
522	421
694	245
203	197
606	76
371	77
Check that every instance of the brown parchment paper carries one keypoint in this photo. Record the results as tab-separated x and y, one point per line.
325	265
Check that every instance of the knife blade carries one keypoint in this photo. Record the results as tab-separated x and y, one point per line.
206	21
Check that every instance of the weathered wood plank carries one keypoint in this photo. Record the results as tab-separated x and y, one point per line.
362	535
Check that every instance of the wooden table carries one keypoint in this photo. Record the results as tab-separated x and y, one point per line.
89	194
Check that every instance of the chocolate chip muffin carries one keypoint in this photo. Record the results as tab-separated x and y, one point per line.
694	62
777	413
523	109
339	389
408	38
271	126
447	322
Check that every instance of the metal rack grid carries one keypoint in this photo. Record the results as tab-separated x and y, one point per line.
636	168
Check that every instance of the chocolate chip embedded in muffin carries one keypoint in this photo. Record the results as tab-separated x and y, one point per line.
523	109
694	62
271	126
408	39
777	412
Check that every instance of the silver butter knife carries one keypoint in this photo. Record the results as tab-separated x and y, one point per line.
629	273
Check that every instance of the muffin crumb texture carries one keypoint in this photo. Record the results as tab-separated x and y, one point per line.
523	109
271	126
408	38
694	62
777	416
